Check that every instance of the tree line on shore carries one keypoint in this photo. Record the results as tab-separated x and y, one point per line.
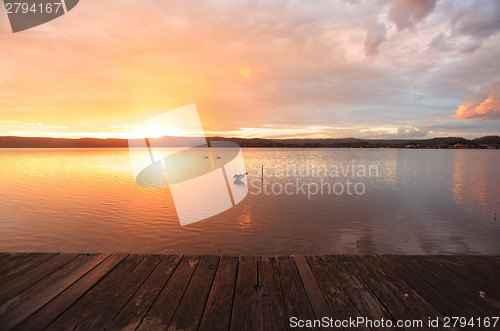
491	142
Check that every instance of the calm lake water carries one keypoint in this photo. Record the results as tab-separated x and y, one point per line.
392	201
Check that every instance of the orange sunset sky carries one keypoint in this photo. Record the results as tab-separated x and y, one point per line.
368	69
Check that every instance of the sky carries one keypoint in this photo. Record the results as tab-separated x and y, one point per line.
271	69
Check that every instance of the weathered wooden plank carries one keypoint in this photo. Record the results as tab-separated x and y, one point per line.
20	263
246	313
414	279
486	265
86	294
294	294
7	258
12	260
468	308
48	313
272	311
476	270
358	292
165	305
189	312
492	261
398	297
32	276
217	314
116	300
72	316
11	288
313	291
339	302
460	289
133	312
26	303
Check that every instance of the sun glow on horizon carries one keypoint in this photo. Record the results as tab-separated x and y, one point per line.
342	69
156	131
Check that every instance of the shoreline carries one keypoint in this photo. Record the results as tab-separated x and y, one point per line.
486	142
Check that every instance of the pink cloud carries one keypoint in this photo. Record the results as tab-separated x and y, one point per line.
407	13
375	35
433	119
482	105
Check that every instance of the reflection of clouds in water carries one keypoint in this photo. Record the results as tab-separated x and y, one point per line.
431	246
471	183
458	179
365	244
388	168
409	208
458	245
7	215
446	245
85	200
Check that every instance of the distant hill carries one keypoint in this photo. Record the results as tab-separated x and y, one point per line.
39	142
488	140
444	142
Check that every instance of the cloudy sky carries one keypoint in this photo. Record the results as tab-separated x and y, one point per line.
276	68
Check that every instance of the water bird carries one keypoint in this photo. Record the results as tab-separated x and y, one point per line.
237	179
217	157
206	157
495	216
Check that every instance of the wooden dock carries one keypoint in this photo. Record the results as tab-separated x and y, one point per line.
143	292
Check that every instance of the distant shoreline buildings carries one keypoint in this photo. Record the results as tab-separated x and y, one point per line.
487	142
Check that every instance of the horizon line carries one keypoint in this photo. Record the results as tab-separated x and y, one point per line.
248	138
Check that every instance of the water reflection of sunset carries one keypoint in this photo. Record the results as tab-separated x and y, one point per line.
245	219
86	200
470	180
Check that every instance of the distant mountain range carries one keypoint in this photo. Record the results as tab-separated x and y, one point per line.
447	142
